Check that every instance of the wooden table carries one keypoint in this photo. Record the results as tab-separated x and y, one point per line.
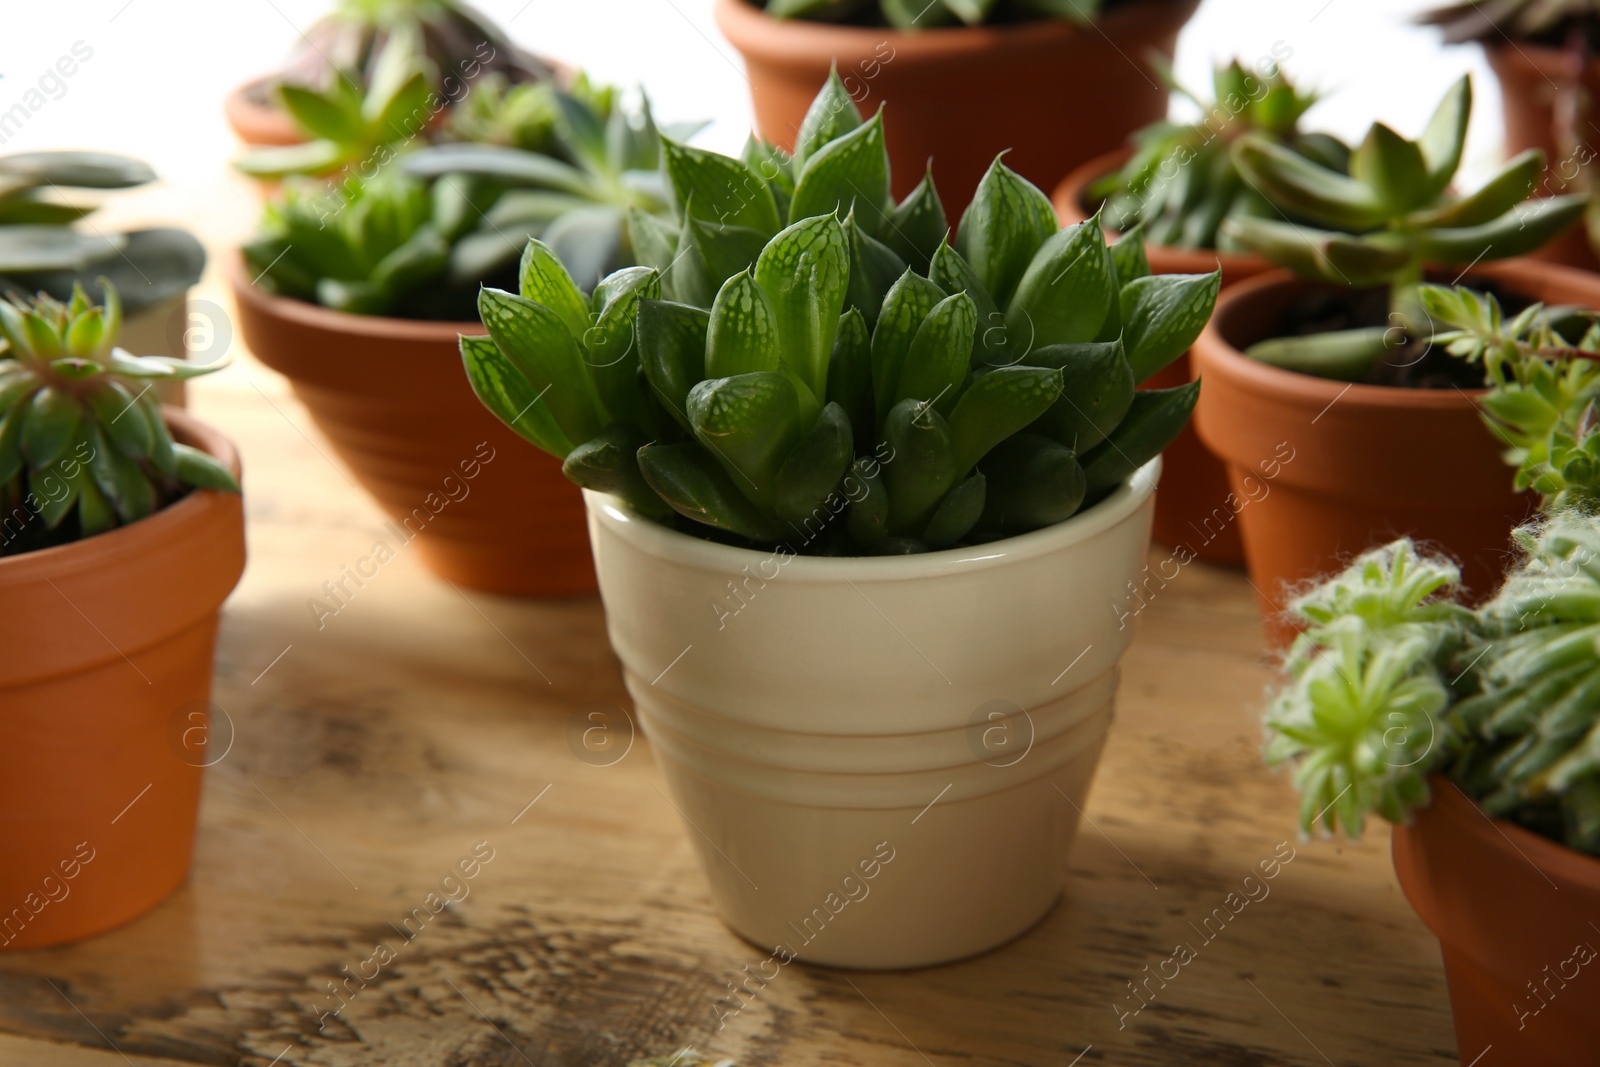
370	755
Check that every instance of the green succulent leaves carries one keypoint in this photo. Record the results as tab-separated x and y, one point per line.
83	445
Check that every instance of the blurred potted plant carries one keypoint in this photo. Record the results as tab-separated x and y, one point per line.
451	41
1337	368
964	80
42	249
758	470
121	533
1178	183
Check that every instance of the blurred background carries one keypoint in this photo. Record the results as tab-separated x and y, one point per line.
159	71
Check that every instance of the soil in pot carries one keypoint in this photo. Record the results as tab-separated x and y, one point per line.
1514	913
104	704
1323	470
484	508
961	96
1192	511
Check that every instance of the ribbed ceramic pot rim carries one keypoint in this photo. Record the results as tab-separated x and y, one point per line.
799	41
315	316
668	544
134	538
1218	354
1068	202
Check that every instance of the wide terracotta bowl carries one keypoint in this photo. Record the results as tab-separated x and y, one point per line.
485	508
1051	93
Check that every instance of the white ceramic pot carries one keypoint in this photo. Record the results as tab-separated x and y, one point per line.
881	761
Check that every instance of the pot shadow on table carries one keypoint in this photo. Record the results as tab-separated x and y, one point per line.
331	920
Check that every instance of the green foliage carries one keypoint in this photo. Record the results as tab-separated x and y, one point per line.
790	412
1392	682
1384	221
1182	184
1544	380
42	248
912	15
83	446
525	116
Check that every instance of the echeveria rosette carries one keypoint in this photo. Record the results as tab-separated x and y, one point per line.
912	15
83	446
1543	370
1181	182
1384	222
1530	733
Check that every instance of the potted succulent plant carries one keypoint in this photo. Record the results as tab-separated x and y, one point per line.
121	533
1178	183
43	250
1544	54
449	40
1474	730
950	523
1335	369
357	291
964	79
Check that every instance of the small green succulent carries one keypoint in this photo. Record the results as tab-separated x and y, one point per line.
83	446
527	115
911	15
1544	380
1383	223
41	248
1181	182
1494	21
780	415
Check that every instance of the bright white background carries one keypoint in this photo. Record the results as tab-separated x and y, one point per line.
161	67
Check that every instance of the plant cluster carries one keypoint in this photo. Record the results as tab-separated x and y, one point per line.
1393	681
912	15
1182	182
41	248
83	446
834	397
1382	224
1494	21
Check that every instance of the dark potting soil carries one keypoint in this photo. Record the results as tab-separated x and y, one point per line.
1415	365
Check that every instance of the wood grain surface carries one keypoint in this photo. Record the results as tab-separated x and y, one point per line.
369	756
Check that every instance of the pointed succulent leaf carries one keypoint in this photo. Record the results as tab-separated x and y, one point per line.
850	373
868	518
721	251
832	114
995	346
672	352
808	481
609	463
850	174
999	404
1342	355
904	309
749	422
1305	188
114	412
940	353
543	278
54	417
1068	290
510	396
924	468
690	481
1393	168
653	240
202	471
56	496
1034	482
1162	316
719	189
804	273
1532	225
611	343
1007	221
743	333
319	114
543	349
1510	186
1445	136
1127	255
1096	391
917	226
1153	422
874	268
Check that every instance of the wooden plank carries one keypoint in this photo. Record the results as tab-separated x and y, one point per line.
374	753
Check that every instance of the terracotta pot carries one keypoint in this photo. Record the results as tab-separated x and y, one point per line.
487	509
258	122
1325	470
1055	94
104	693
1515	915
1195	483
1529	76
933	773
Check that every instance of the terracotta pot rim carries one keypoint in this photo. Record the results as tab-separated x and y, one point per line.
1068	202
779	41
255	123
315	316
667	543
137	537
1514	843
1219	355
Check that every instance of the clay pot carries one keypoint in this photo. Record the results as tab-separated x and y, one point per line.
255	120
1324	470
1194	482
487	509
104	698
1514	913
1055	94
933	772
1529	77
